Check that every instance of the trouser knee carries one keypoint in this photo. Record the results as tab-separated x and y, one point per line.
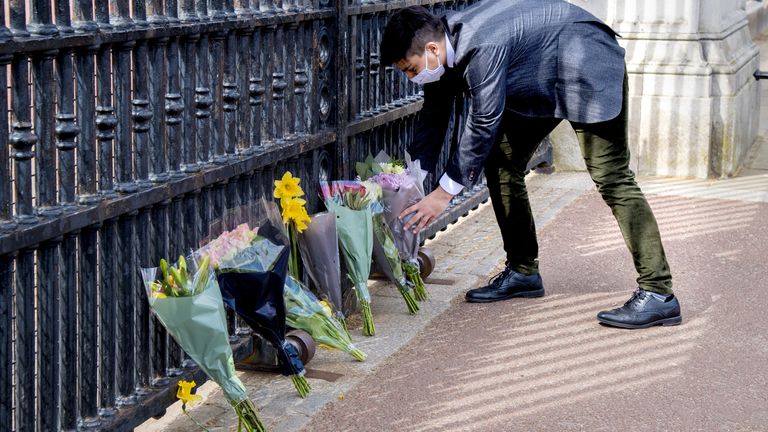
617	186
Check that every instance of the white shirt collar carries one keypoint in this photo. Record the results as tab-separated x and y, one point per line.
449	53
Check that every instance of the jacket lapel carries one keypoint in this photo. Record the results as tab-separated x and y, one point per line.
453	31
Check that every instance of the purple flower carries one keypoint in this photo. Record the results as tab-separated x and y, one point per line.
388	181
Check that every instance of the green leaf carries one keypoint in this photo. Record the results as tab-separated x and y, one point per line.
183	265
164	269
362	170
178	278
201	275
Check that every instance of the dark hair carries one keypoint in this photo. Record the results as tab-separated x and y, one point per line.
407	31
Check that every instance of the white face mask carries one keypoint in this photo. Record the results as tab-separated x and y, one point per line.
428	75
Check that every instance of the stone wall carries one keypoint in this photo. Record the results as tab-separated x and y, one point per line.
693	99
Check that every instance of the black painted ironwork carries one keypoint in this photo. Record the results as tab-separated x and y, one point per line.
6	340
126	120
48	303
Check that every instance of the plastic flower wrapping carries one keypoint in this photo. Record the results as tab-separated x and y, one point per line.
251	275
401	188
319	246
385	253
186	299
350	202
306	312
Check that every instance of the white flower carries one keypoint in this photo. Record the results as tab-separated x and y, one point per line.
389	168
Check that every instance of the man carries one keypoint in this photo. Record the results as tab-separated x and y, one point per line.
524	66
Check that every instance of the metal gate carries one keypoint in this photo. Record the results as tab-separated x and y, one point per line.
132	125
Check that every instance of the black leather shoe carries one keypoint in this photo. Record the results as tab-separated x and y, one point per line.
643	310
506	285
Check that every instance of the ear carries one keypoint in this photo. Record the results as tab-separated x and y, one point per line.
433	47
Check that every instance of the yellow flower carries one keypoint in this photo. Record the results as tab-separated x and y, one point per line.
183	393
302	221
158	295
291	208
294	211
287	187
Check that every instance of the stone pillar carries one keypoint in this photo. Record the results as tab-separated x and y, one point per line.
693	99
757	15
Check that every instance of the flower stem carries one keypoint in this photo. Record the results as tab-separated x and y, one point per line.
247	417
301	384
343	322
368	328
414	276
293	262
413	307
184	409
357	354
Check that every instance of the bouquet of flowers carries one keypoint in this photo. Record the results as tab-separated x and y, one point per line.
251	278
350	202
306	312
319	245
385	253
402	184
187	301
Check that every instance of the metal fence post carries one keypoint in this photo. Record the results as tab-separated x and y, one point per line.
6	342
22	140
48	370
6	188
86	113
69	332
124	148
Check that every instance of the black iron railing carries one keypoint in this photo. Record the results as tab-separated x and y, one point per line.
132	125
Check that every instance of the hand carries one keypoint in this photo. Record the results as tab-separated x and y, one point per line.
426	210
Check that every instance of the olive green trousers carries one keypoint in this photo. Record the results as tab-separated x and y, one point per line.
605	151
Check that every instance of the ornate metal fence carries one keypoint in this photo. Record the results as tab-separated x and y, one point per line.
132	125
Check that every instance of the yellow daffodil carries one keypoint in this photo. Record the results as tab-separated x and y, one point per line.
294	211
184	392
291	208
302	221
287	187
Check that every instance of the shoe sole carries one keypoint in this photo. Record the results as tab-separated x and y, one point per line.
522	294
663	322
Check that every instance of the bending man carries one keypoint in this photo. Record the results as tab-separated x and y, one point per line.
524	66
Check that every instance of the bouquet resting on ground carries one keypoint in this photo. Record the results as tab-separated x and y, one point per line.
304	311
350	202
402	184
187	301
251	273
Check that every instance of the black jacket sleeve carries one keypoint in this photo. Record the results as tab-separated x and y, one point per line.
432	122
486	76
